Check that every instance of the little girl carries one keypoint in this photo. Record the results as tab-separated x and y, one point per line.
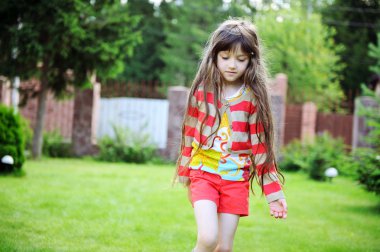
227	136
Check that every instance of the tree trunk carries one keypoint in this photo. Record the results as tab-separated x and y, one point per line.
40	119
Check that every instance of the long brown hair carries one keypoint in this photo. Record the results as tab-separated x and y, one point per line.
230	35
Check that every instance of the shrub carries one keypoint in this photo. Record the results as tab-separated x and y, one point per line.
54	145
368	158
369	169
314	158
126	146
11	138
294	157
318	165
27	133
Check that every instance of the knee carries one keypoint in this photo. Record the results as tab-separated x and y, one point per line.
223	248
208	241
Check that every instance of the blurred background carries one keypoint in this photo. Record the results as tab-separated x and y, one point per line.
83	82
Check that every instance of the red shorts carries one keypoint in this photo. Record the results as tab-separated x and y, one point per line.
229	196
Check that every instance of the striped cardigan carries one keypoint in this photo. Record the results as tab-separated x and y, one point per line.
244	134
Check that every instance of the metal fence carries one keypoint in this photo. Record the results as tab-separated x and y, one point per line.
141	116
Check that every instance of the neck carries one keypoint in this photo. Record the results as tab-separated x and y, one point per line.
231	89
233	83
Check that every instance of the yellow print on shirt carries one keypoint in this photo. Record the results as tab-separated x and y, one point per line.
217	158
207	158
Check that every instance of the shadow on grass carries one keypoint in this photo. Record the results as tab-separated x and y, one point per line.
373	209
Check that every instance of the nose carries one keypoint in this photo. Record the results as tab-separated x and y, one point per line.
232	64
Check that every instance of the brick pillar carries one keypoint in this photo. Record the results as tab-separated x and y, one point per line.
86	110
308	121
5	92
360	128
278	105
177	97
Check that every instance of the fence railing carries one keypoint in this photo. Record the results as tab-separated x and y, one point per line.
338	125
59	114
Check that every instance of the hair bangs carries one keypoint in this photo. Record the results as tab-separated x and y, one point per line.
231	41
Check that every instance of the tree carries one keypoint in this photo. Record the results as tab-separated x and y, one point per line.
374	52
145	63
302	47
368	158
62	43
356	23
188	25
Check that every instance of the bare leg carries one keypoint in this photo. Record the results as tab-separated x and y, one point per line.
207	221
227	228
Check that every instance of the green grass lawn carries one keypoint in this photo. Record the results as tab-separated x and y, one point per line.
83	205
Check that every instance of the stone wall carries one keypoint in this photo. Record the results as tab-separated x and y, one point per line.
361	127
5	92
278	91
177	97
76	119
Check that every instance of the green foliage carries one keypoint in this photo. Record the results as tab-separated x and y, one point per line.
356	23
145	63
303	48
63	44
11	138
372	118
374	52
368	162
111	207
318	166
55	145
315	157
74	40
187	28
368	159
27	133
126	146
294	157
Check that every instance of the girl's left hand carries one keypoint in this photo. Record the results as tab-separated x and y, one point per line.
278	208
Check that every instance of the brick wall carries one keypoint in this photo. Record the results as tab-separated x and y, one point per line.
293	121
59	113
60	116
337	125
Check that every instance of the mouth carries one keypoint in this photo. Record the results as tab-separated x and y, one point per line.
230	72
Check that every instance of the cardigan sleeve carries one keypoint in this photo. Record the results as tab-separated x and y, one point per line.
271	186
191	118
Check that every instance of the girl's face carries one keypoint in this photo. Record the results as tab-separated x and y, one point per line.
232	65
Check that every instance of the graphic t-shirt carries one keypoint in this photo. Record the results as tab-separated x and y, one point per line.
217	160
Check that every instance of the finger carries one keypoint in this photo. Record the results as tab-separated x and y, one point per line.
284	205
276	214
280	214
284	209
